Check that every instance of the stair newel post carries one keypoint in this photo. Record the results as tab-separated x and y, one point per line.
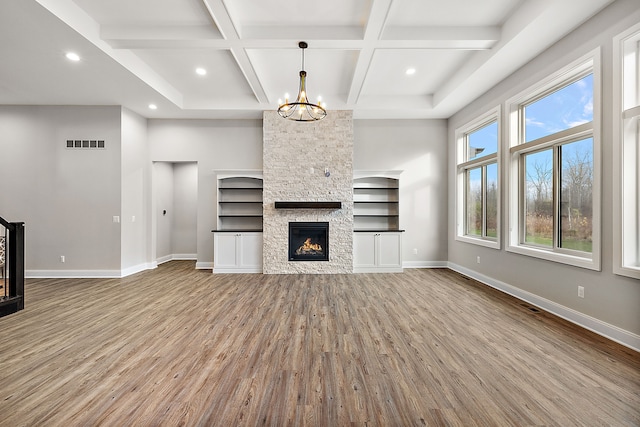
16	262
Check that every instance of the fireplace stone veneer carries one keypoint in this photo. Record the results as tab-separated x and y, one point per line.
295	157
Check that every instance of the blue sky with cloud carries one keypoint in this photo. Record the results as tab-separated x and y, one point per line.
563	109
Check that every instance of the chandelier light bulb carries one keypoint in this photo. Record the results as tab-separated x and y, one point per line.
307	111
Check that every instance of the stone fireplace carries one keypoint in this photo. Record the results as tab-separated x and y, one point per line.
308	165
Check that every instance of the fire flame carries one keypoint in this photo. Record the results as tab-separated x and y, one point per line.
308	246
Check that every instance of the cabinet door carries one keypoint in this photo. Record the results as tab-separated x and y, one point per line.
225	247
251	250
390	250
364	249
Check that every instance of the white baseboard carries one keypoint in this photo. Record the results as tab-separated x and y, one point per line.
72	274
137	269
174	257
614	333
425	264
204	266
164	259
187	257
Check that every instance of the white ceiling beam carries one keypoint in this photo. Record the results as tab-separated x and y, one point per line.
221	18
73	16
331	37
535	26
375	25
302	32
229	31
183	42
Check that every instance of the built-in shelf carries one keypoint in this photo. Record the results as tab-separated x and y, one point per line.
239	202
376	203
308	205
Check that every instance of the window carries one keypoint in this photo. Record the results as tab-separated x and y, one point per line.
478	194
554	168
626	141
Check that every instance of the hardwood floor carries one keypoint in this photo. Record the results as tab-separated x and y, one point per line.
178	346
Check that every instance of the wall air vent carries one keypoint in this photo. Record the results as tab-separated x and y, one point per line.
85	143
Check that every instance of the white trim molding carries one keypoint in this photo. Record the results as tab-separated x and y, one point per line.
425	264
73	274
204	266
614	333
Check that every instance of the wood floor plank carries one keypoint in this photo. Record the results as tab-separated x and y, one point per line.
179	346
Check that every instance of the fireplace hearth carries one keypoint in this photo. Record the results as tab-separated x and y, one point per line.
308	241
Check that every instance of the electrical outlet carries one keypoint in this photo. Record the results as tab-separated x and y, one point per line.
116	218
415	251
62	258
581	291
478	259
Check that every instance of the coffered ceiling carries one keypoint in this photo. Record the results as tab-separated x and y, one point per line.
140	52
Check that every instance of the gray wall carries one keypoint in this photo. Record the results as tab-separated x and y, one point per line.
184	235
419	149
136	194
215	145
176	192
416	146
610	301
66	197
163	201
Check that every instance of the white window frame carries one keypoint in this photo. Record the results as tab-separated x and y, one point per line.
463	165
589	63
626	151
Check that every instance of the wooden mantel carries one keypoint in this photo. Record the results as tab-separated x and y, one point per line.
308	205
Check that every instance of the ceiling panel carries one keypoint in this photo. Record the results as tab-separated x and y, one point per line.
387	73
178	66
328	72
298	13
136	52
458	13
146	12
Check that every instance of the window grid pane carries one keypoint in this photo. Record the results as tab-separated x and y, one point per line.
491	197
576	190
473	226
538	199
483	141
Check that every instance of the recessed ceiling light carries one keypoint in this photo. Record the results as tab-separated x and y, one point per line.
201	71
410	71
72	56
153	106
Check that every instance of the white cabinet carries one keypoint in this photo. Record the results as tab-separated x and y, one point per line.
377	252
377	238
237	252
237	242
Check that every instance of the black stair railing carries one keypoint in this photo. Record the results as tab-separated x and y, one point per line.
12	270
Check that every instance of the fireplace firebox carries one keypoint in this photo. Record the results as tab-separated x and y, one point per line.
308	241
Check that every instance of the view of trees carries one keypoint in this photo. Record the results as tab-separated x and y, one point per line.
575	196
474	200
